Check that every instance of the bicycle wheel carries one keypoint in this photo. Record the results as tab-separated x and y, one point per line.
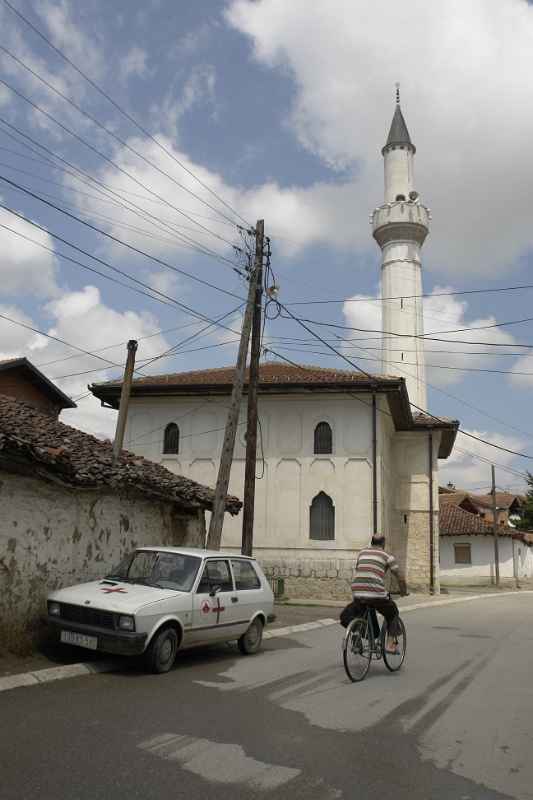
357	648
393	661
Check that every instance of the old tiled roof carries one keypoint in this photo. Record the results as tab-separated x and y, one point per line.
503	499
455	521
270	372
34	440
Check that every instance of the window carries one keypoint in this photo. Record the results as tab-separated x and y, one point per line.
158	568
322	518
323	439
245	575
171	441
216	573
463	553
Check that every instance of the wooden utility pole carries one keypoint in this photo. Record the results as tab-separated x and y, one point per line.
228	446
495	529
124	400
253	380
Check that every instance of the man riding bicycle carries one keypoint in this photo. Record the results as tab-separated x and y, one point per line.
368	587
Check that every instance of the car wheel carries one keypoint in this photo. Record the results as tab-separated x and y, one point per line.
162	651
250	642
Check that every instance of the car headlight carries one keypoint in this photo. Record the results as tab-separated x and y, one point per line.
54	609
126	623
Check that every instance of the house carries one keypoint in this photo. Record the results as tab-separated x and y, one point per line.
21	379
69	515
508	507
341	455
467	548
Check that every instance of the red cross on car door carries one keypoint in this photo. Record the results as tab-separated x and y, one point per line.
216	616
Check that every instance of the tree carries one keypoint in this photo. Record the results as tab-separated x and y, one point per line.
526	521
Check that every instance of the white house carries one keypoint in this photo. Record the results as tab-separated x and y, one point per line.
341	455
467	549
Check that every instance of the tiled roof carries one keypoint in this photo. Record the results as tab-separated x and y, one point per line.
29	437
278	378
455	521
503	499
270	372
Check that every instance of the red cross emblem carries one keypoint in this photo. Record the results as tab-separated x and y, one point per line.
108	589
218	609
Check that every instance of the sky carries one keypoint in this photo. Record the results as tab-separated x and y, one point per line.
254	109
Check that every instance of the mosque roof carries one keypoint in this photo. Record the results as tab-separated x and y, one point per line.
398	133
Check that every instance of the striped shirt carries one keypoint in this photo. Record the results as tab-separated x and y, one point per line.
369	578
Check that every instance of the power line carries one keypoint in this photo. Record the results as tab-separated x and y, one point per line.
157	292
124	113
115	239
99	153
113	135
418	408
99	185
387	413
389	334
411	296
410	363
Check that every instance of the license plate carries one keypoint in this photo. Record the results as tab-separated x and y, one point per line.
79	639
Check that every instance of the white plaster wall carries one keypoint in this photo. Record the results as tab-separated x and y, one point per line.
482	567
52	536
292	474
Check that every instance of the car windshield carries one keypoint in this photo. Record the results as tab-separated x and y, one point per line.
158	568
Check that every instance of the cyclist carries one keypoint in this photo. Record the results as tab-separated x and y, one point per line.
368	587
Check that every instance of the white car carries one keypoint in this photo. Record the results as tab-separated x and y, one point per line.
160	599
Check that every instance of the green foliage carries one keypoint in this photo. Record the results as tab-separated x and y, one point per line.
526	522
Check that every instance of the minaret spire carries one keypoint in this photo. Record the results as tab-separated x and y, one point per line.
400	227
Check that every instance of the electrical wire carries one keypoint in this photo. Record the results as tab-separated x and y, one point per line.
113	102
158	294
412	296
115	239
109	160
418	408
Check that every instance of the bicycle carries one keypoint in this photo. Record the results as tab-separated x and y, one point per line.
360	645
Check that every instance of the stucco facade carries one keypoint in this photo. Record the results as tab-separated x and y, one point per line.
292	475
53	536
515	557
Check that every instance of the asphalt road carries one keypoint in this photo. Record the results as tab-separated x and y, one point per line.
455	723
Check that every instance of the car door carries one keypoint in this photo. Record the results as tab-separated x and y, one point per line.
214	616
249	590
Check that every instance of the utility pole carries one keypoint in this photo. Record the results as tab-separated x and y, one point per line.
124	400
495	529
228	446
253	380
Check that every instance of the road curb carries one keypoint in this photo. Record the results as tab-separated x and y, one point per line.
65	671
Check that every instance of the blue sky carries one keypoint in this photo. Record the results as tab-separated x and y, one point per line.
283	112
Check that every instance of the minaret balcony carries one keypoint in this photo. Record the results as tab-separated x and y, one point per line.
402	220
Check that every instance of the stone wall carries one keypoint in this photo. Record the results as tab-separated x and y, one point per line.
52	536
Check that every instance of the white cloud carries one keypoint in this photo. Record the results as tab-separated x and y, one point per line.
25	268
69	37
133	63
465	71
441	314
82	319
466	471
14	339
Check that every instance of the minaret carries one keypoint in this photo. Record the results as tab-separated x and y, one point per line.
400	227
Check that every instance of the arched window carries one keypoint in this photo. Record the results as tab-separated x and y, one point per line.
323	439
322	518
171	441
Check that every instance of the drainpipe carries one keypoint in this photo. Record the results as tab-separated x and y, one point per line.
431	519
374	464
